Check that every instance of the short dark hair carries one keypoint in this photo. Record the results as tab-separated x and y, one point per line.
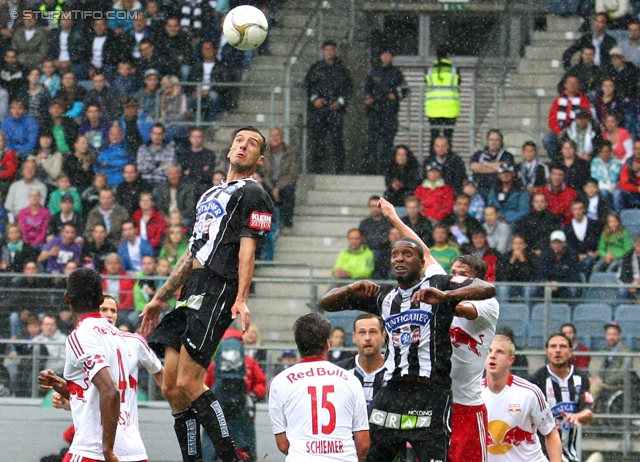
362	316
474	262
558	334
337	328
556	167
311	333
159	125
604	143
375	197
591	180
111	297
251	128
530	143
128	222
588	46
84	289
463	196
568	324
415	244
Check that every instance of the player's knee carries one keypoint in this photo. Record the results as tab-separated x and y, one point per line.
171	393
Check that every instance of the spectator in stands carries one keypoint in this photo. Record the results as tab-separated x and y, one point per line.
50	78
559	263
629	272
355	262
149	221
537	226
198	162
91	195
65	215
21	129
197	18
460	223
104	98
48	160
146	96
329	90
95	129
508	196
609	101
436	196
78	164
8	165
533	173
375	231
133	248
628	193
29	296
135	125
4	103
280	170
477	205
125	83
120	289
128	192
581	362
442	250
68	46
131	39
486	163
30	42
402	178
54	340
104	48
64	129
452	165
64	188
175	245
33	357
176	195
631	45
584	132
35	96
151	60
576	170
71	95
583	235
559	195
61	250
615	242
174	108
175	43
602	42
109	214
562	113
480	246
416	221
336	343
155	156
589	75
251	338
34	220
12	74
519	264
144	289
18	195
621	142
384	88
498	231
624	74
112	158
95	252
605	169
122	14
14	252
598	206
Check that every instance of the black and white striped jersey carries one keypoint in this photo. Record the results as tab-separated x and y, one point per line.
418	334
371	383
224	214
570	395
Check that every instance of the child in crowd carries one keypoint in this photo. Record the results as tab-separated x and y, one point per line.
49	78
64	187
124	83
175	244
477	205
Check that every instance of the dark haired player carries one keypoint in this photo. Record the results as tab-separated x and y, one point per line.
415	406
216	271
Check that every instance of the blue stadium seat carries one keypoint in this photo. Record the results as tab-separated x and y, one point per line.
609	294
560	314
630	217
589	319
345	320
628	316
634	229
514	316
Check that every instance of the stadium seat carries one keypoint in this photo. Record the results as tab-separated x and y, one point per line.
345	320
514	316
608	294
628	316
634	229
589	319
630	217
560	314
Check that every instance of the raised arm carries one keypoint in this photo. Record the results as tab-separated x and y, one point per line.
477	290
338	299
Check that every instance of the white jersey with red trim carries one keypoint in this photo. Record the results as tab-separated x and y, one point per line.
471	340
319	405
516	414
93	345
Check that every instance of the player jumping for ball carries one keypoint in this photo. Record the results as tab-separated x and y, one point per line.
216	271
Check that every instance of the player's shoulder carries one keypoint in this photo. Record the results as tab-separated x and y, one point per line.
584	375
526	389
135	340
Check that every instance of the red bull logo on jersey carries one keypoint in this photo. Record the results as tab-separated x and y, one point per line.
76	390
460	337
407	318
502	438
514	409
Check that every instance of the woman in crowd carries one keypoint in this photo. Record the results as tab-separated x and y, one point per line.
615	241
402	178
621	142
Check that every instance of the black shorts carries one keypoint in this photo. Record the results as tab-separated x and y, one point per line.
412	412
200	319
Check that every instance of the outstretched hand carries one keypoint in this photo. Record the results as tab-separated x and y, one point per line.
150	317
388	210
364	288
429	295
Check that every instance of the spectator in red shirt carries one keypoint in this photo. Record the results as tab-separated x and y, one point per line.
149	221
120	289
8	165
559	195
480	246
563	112
628	194
581	362
435	195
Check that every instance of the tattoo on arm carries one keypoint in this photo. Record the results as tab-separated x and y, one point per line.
178	276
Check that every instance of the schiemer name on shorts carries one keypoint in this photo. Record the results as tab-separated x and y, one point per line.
325	447
318	371
408	317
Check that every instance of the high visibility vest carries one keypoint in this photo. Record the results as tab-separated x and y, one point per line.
53	14
442	98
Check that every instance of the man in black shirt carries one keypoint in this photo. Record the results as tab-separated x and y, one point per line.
451	164
128	192
375	231
197	162
461	225
537	226
216	271
416	221
95	252
486	163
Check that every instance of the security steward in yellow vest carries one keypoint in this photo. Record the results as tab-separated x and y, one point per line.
442	98
50	11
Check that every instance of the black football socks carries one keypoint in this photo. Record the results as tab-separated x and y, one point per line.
212	419
187	430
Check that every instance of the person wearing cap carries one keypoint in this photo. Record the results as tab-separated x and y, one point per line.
508	195
105	97
624	74
454	172
486	162
384	88
329	89
146	96
287	359
576	170
560	263
64	216
559	195
587	72
436	196
136	125
602	43
584	132
563	112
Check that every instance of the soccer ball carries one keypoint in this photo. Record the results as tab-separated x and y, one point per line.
245	27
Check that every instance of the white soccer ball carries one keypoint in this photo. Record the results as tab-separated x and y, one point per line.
245	27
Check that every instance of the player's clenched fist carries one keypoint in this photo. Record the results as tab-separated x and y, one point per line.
364	288
430	295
